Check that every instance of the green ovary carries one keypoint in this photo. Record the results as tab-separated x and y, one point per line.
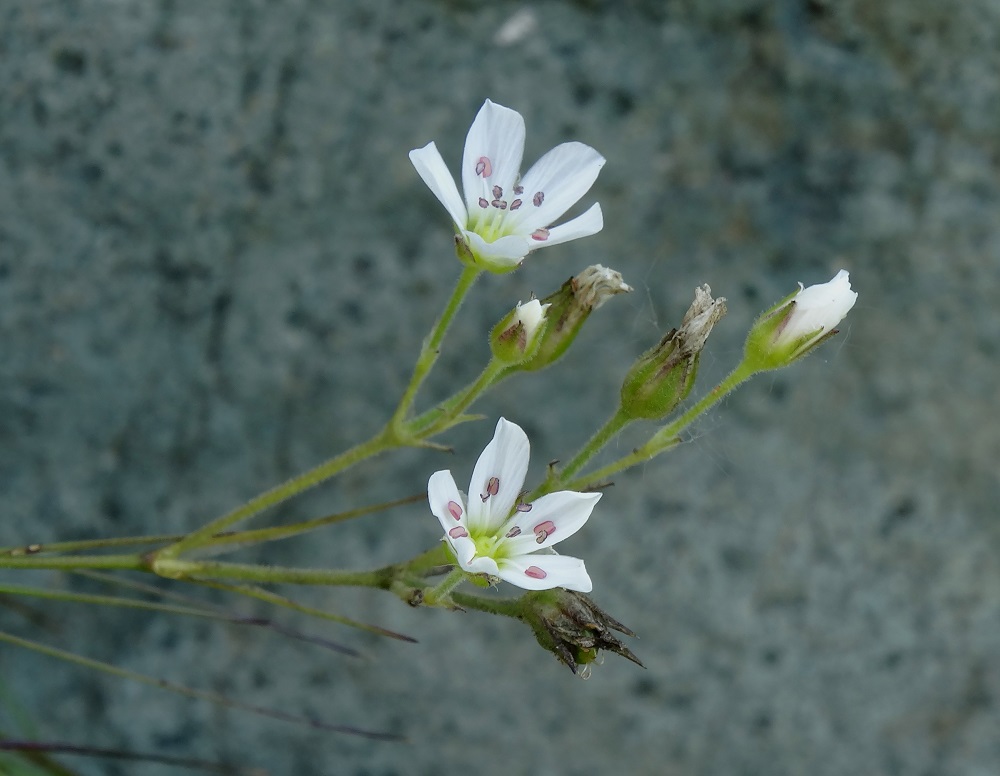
489	546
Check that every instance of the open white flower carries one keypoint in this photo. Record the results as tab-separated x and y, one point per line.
493	532
505	217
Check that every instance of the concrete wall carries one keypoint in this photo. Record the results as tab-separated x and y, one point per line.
216	265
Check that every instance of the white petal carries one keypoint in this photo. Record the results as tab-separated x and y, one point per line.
583	225
442	492
465	551
434	172
482	565
556	571
530	315
821	307
496	135
505	252
557	516
506	459
563	175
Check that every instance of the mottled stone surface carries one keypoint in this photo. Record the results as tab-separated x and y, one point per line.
216	264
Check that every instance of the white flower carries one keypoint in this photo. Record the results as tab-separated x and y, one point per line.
800	322
817	309
492	532
505	217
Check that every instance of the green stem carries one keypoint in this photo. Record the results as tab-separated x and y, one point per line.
431	347
377	444
193	569
667	437
439	418
508	607
436	594
240	539
88	544
249	591
74	562
615	423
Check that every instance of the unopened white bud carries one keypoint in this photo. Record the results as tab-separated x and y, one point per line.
799	323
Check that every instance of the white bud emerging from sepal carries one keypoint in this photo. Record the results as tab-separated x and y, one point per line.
798	323
515	339
530	315
571	305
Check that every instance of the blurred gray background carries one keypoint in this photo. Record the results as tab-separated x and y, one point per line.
216	266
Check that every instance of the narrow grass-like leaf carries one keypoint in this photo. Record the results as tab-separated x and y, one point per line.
236	540
188	611
279	600
52	747
212	697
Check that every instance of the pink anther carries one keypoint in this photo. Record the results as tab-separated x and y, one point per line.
455	510
519	189
543	530
540	234
539	198
523	506
484	167
534	572
458	532
515	204
492	488
515	531
497	192
484	203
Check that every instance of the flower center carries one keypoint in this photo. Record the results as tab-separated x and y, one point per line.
497	213
489	546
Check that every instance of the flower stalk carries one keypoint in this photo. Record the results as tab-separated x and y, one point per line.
429	352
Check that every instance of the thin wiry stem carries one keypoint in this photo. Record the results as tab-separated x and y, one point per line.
217	698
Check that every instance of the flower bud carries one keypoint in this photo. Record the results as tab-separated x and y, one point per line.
798	323
664	376
516	338
571	305
573	628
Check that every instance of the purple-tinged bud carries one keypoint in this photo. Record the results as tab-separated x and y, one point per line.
570	306
516	338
